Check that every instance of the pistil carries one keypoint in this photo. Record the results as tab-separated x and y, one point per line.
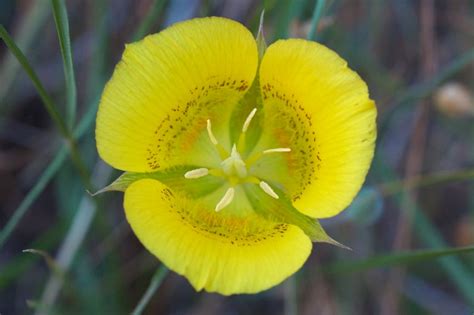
234	165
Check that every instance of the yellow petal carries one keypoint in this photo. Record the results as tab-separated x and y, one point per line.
154	108
318	107
217	252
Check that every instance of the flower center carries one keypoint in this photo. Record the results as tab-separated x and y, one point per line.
233	167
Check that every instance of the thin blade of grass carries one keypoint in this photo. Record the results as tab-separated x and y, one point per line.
31	24
72	242
149	19
291	296
60	157
426	180
81	222
52	265
461	276
19	265
395	259
47	101
429	235
420	91
155	283
287	11
317	13
100	18
51	108
62	28
31	196
88	286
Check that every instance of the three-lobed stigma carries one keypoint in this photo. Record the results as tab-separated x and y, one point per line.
233	167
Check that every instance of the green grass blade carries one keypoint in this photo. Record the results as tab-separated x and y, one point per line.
87	120
317	13
461	276
149	19
395	259
429	235
84	125
74	238
62	27
51	109
17	267
423	90
26	35
37	189
427	180
100	16
287	11
81	223
47	101
155	283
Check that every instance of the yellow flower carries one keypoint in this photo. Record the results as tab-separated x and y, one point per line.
230	159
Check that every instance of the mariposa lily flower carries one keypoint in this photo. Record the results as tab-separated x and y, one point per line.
231	156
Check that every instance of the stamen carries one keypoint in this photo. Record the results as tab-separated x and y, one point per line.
209	132
255	157
277	150
267	189
248	120
222	152
226	199
197	173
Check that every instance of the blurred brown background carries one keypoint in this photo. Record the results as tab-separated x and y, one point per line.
417	59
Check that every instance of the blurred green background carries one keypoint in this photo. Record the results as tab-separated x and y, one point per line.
417	204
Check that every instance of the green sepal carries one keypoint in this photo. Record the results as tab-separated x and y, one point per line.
252	99
281	210
261	43
173	177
